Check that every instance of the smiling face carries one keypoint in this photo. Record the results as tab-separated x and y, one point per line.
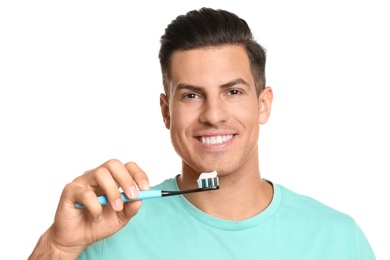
212	109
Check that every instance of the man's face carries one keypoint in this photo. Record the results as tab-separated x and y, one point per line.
213	112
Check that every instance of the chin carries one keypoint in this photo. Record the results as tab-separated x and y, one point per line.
222	170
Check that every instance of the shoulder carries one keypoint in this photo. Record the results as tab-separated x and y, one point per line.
320	223
307	209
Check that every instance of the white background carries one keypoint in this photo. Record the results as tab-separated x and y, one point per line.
80	84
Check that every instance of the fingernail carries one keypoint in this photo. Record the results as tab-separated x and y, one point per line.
133	192
118	204
145	185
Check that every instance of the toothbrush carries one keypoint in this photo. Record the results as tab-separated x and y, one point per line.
206	182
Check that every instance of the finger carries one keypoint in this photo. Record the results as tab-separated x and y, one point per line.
73	193
138	175
92	179
123	177
130	209
106	179
101	180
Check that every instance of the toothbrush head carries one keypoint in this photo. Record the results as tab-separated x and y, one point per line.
208	180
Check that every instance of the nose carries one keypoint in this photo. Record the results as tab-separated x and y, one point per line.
214	111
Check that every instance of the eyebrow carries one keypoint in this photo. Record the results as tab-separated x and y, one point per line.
200	89
235	82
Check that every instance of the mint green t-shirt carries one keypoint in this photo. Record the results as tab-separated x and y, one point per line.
291	227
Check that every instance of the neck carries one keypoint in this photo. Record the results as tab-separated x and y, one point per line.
242	194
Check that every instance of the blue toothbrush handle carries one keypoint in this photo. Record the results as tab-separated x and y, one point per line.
142	195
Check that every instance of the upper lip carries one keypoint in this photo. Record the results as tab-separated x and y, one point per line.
213	133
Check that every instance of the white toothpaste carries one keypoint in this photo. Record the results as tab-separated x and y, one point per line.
207	175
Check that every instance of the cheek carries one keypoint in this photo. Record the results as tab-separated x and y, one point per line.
181	120
181	134
246	113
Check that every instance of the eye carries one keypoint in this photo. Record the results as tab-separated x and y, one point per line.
233	92
191	96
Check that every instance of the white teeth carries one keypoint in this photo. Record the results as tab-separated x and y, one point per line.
216	139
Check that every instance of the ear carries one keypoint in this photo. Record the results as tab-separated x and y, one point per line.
265	102
164	105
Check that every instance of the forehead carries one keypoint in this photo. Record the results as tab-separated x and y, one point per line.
209	66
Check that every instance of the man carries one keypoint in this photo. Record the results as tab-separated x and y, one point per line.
214	103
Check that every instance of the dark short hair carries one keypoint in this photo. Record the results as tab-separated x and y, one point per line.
209	27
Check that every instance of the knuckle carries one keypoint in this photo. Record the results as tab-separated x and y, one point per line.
69	188
113	163
131	165
88	195
101	171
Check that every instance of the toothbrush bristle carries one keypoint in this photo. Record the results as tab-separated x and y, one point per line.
208	183
208	180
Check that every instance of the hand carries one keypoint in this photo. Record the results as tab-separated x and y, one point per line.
74	229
